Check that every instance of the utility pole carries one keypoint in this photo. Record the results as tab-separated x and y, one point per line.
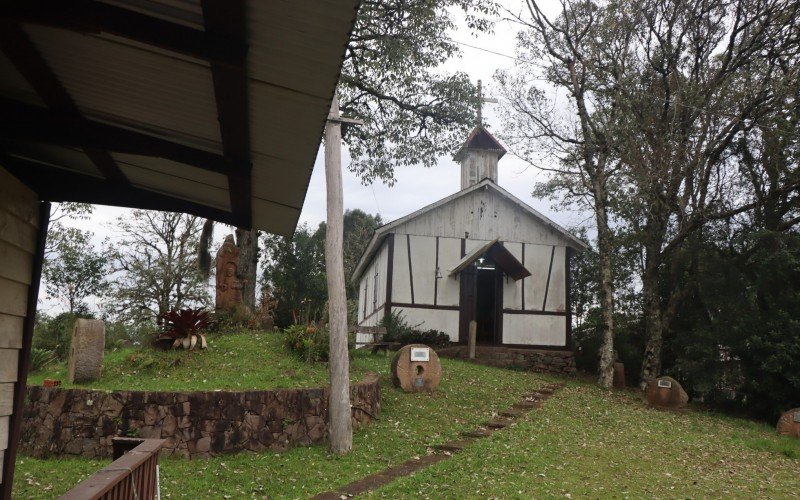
340	426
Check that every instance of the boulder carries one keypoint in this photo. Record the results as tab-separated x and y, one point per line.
86	350
789	423
666	393
416	368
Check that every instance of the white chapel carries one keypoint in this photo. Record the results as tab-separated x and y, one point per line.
479	254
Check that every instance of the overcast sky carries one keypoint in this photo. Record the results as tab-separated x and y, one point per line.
415	186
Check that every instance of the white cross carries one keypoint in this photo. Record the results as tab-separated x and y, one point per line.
482	100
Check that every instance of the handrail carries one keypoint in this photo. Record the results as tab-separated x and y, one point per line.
133	475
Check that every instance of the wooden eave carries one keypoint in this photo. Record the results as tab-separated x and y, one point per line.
133	103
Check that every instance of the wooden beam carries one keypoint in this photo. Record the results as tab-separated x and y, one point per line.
56	184
90	16
19	49
226	19
27	123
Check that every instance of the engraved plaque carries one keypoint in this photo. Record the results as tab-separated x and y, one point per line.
666	384
420	354
796	417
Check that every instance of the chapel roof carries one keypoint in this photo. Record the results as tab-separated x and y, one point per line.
480	138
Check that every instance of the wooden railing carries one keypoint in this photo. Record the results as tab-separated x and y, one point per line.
130	476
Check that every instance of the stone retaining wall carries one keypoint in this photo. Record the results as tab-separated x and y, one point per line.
539	360
195	424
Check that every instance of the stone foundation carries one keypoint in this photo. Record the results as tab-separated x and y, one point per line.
538	360
195	424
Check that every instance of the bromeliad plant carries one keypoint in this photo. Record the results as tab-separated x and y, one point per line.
184	328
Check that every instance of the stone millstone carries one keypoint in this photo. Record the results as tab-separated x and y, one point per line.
416	376
789	423
666	393
86	350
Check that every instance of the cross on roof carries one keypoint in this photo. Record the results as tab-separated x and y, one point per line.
482	100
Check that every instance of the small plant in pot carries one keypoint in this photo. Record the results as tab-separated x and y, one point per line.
183	329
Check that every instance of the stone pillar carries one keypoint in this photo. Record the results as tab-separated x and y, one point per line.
86	350
229	286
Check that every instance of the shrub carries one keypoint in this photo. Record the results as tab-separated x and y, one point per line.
183	328
307	341
41	358
54	333
398	330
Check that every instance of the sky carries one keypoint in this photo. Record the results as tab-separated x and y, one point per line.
415	186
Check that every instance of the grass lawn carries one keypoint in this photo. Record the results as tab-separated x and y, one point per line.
584	442
249	360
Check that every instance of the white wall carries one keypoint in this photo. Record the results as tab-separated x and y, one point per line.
432	319
485	214
19	220
534	329
374	282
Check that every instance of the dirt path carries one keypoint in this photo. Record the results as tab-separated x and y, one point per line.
527	403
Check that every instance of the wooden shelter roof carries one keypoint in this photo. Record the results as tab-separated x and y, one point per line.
209	107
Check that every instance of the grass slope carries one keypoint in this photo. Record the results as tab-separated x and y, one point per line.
408	425
588	443
584	442
249	360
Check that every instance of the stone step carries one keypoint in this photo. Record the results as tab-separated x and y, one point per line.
453	446
477	433
498	423
527	405
512	413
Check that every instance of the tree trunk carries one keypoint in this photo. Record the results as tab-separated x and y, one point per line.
605	249
247	242
341	427
651	363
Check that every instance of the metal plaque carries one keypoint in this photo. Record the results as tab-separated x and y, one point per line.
797	417
420	354
666	384
419	382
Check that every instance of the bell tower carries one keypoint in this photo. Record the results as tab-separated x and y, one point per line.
480	153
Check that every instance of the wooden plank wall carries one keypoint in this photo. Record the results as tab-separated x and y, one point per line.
19	221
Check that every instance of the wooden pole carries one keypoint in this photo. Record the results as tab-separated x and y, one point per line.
473	333
340	426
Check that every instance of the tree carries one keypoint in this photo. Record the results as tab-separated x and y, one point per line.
413	112
694	79
74	270
579	143
61	213
358	228
157	265
294	270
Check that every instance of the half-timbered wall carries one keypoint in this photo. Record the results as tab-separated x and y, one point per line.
19	220
537	303
372	289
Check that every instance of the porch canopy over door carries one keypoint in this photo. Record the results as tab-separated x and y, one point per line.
499	254
210	107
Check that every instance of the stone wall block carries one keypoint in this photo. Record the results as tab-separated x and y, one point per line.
196	425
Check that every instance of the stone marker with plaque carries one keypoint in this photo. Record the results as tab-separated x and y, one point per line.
416	368
789	423
666	393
